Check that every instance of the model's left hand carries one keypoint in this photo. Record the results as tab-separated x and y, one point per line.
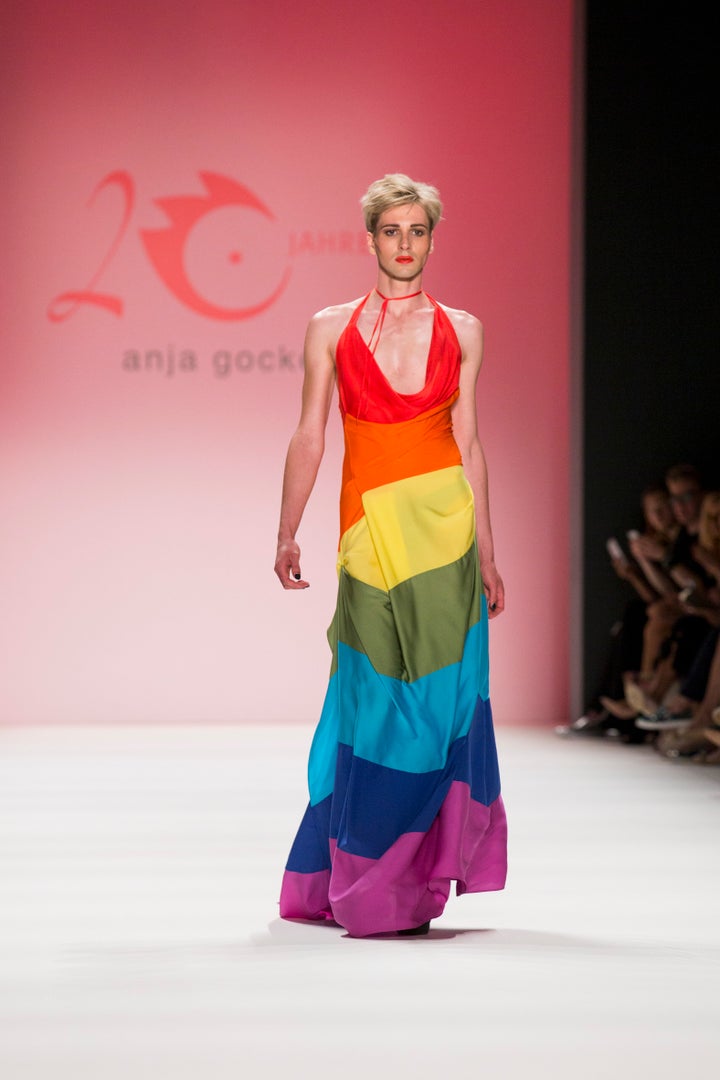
494	589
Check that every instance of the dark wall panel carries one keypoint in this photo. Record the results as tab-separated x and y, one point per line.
651	378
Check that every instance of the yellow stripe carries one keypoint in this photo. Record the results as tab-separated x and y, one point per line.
409	527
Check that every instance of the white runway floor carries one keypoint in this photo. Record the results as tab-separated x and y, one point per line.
139	935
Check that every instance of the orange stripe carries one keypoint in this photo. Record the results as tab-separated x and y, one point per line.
377	454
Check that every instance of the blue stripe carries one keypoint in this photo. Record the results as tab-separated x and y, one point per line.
311	851
373	805
400	725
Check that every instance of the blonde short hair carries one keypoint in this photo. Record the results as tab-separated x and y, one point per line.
397	189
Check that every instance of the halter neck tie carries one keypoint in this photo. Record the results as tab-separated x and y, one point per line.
377	328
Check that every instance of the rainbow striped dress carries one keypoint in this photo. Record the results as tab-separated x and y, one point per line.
403	771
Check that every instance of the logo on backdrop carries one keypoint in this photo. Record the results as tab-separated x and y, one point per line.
167	247
216	247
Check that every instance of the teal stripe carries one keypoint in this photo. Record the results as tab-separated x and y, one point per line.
406	726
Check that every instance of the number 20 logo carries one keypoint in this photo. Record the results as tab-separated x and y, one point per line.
166	247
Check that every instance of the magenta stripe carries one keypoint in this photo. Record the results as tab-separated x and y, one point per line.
410	883
305	896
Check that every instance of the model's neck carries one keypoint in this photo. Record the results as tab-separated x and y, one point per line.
395	288
385	301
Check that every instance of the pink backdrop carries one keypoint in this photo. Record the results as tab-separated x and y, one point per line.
151	350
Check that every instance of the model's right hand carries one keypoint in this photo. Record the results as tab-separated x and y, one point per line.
287	565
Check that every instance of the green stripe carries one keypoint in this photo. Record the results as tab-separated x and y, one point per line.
418	627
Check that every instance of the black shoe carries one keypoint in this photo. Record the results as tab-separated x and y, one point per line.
415	931
593	718
589	724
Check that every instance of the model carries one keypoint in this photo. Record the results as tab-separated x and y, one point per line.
403	773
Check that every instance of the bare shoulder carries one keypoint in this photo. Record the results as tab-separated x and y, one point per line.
468	328
327	325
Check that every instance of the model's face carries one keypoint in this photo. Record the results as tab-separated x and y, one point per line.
658	511
402	241
686	499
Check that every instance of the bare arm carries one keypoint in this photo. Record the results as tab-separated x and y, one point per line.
707	560
627	572
661	582
306	448
470	336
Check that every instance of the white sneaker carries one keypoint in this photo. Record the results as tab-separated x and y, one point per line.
663	720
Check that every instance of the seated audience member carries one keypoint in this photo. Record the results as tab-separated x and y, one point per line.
670	628
659	534
683	706
607	707
700	737
707	550
673	633
693	709
685	495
